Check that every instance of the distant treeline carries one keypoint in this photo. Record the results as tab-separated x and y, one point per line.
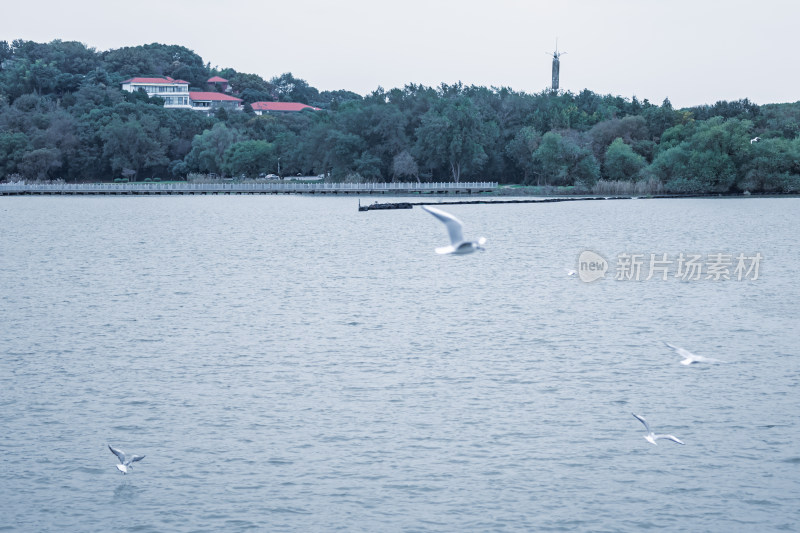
63	115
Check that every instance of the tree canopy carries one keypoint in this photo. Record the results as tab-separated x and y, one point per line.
63	115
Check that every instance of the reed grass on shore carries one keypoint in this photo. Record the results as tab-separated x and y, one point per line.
650	186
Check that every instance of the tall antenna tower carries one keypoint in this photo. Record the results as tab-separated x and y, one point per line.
556	67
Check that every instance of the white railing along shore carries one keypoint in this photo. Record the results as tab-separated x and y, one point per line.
185	187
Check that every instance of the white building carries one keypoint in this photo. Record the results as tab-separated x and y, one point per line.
280	107
208	101
174	92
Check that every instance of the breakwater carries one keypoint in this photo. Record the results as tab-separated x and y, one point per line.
410	205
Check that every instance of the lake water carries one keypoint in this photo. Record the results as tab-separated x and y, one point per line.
290	364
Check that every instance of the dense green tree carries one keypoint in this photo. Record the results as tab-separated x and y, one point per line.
521	149
631	129
714	171
621	162
704	156
13	147
342	150
454	135
550	160
250	96
37	164
333	99
773	165
69	57
132	144
382	128
5	52
250	158
157	60
659	119
96	95
287	88
209	147
431	148
24	76
585	167
250	87
404	166
741	109
561	161
671	166
779	120
369	167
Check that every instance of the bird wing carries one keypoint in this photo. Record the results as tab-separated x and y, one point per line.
680	351
119	453
707	359
137	458
673	438
454	226
643	421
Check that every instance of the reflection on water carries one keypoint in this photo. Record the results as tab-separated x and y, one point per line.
292	364
125	492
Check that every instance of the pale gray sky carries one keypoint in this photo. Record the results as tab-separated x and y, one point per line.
692	51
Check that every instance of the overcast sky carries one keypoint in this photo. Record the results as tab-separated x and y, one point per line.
691	51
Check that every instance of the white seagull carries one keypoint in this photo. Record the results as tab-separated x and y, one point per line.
689	357
652	437
125	463
755	140
454	228
570	273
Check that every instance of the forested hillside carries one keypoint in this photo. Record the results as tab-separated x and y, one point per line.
63	115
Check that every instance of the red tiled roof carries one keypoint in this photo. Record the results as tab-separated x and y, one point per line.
200	96
281	106
217	79
154	80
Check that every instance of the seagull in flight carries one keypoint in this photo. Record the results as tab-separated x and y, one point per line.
454	228
652	437
755	140
125	462
689	357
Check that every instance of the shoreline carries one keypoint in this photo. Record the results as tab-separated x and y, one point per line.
484	190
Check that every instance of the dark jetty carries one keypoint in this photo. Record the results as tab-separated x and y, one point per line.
376	205
409	205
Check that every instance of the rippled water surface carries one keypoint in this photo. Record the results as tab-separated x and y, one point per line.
290	364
